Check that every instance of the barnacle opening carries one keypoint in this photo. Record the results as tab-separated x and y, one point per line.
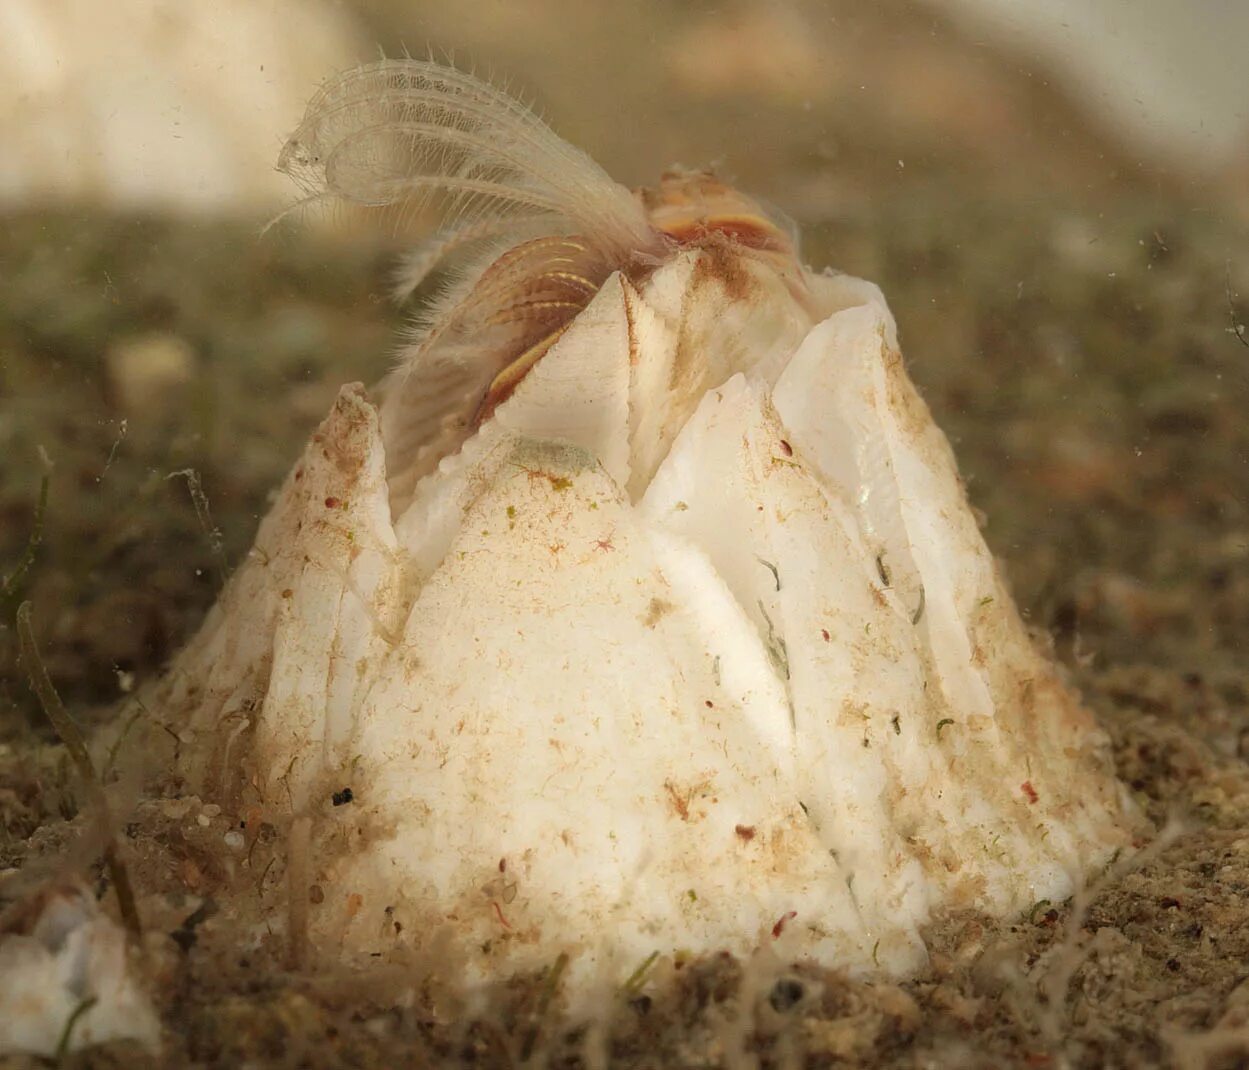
532	229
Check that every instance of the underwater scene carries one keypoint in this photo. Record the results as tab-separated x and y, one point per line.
582	535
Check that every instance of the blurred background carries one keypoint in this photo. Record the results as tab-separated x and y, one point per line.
817	104
1051	192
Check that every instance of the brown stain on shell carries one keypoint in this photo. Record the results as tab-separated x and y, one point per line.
656	611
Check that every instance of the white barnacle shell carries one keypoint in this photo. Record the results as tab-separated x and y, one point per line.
689	641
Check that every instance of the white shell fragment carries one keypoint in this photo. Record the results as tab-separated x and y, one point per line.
66	981
693	645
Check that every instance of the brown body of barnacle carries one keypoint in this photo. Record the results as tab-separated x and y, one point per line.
543	284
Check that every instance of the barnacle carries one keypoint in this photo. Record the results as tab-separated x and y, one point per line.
643	610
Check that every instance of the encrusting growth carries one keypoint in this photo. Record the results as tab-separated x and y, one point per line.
641	608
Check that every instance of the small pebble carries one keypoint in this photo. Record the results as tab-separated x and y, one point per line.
234	839
148	371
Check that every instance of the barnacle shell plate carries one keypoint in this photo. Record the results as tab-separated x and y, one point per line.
695	644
